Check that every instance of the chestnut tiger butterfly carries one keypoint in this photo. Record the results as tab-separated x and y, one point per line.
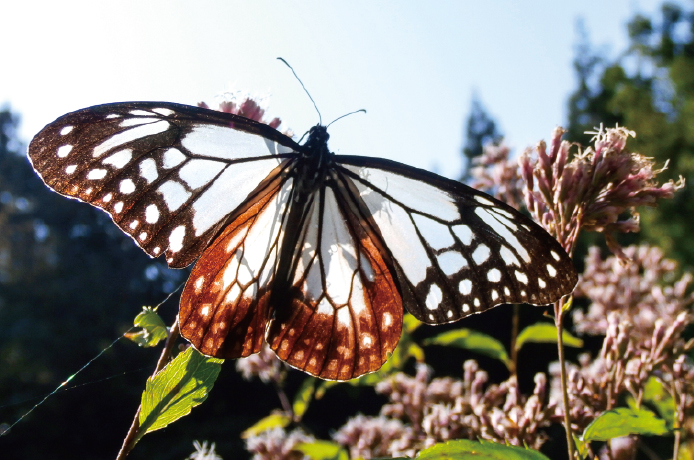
314	252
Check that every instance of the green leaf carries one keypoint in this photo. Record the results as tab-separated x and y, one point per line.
546	333
567	306
654	393
582	447
279	419
465	449
303	397
153	329
322	450
410	323
183	384
623	421
472	340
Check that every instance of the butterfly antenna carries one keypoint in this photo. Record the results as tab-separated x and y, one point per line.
320	119
347	114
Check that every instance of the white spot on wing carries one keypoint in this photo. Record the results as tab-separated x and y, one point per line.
555	256
152	214
481	254
387	319
542	283
465	287
143	236
451	262
176	238
134	224
494	275
120	158
66	130
522	277
148	170
64	151
107	197
138	112
174	194
172	158
70	169
434	298
495	295
127	186
118	207
508	256
96	174
551	270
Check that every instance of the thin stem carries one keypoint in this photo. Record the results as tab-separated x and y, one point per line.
514	337
679	412
129	441
284	400
559	321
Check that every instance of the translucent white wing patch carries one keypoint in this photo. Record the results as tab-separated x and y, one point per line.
224	306
345	313
460	253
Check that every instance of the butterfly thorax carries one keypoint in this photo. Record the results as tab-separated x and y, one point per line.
313	163
310	174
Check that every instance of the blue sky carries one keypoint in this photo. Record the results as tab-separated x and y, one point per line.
412	65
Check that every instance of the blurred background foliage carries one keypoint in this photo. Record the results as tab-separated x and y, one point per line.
71	282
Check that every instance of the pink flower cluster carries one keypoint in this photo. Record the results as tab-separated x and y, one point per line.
592	190
246	108
422	412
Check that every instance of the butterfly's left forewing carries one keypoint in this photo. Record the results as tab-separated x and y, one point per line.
169	175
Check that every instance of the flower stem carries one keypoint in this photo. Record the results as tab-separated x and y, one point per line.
130	438
514	338
559	322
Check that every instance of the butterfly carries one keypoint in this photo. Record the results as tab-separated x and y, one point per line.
313	252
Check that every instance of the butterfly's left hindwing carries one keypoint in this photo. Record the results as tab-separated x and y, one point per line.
169	175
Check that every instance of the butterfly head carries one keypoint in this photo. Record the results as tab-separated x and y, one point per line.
316	145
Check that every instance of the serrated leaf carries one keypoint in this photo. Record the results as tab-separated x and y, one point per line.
275	420
545	333
624	421
463	449
183	384
322	450
472	340
303	397
153	329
